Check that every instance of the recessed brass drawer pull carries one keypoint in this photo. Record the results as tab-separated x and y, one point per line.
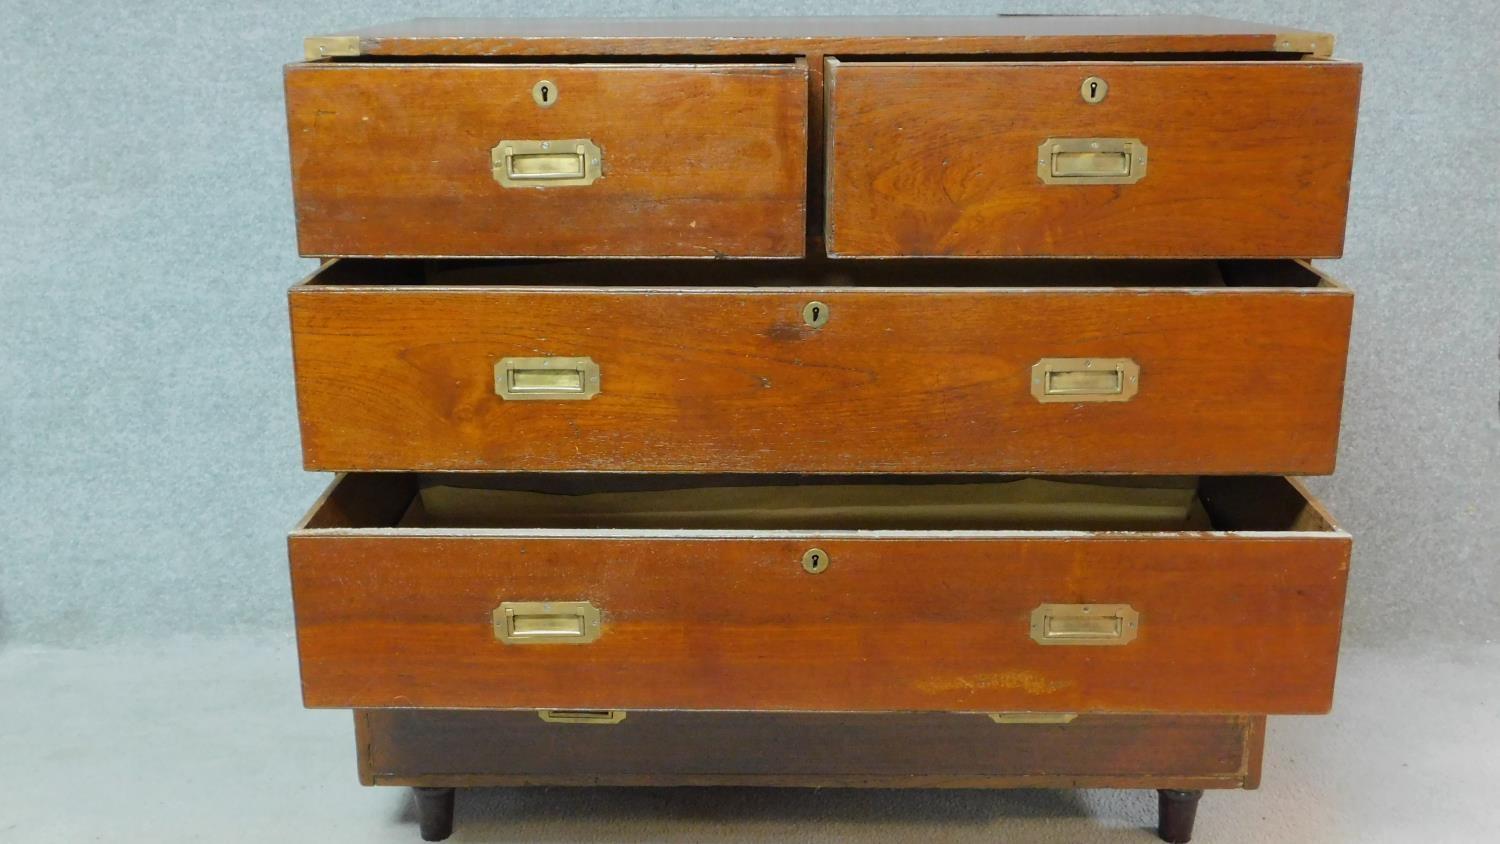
546	164
546	622
1041	719
1091	161
546	379
581	716
1084	624
1085	379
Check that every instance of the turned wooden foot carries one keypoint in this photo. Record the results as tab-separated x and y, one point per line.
435	812
1176	811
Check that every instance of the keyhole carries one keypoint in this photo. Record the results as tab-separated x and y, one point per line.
815	314
815	560
544	93
1093	91
816	311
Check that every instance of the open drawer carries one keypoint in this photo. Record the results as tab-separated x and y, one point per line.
1161	595
1202	367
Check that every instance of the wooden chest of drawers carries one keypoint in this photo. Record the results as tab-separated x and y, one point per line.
962	467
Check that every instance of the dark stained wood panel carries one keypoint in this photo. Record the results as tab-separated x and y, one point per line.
698	160
906	621
860	35
1233	380
940	159
448	747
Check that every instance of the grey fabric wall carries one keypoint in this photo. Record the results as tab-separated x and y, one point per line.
149	465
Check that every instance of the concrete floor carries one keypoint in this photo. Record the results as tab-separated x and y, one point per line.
206	741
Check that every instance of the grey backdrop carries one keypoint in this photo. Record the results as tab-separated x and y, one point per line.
148	445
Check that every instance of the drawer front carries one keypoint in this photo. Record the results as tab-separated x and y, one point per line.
447	160
818	620
1006	380
446	747
1177	159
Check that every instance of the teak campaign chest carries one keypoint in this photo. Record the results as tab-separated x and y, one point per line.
824	401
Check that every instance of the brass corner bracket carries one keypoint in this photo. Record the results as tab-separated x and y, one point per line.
330	46
1316	44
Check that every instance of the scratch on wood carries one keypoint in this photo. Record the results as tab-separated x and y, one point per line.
1030	682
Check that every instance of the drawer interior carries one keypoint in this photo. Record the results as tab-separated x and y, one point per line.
821	502
815	272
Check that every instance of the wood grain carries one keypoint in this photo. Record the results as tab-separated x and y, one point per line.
447	747
1245	159
698	160
856	35
1233	380
401	617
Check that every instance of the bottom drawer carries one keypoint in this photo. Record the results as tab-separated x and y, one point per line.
459	748
859	594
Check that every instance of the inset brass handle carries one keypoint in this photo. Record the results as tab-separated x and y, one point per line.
1091	161
545	164
581	716
1044	719
546	622
1084	624
1085	379
546	379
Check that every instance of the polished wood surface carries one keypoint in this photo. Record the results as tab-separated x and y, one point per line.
477	37
940	159
401	617
698	160
445	747
902	379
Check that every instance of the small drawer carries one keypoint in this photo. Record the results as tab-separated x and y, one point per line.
905	750
860	593
894	366
1137	159
410	159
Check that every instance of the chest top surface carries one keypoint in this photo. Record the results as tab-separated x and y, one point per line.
884	35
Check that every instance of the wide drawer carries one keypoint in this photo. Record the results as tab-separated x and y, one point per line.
1102	159
898	366
469	747
549	159
853	594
